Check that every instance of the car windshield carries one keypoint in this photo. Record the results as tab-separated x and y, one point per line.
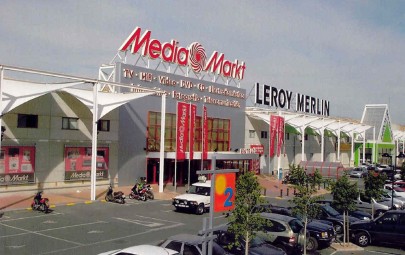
330	210
199	190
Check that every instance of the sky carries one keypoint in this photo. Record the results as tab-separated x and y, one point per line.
350	53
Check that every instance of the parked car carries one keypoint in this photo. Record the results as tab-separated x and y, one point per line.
366	204
187	244
386	229
197	198
285	232
359	172
383	167
398	200
361	215
398	192
257	246
330	214
144	249
321	232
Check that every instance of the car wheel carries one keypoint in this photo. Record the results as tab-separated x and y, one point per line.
362	239
338	228
312	244
200	209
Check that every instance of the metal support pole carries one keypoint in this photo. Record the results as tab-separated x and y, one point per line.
94	143
162	143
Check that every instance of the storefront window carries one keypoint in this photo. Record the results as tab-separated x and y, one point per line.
218	133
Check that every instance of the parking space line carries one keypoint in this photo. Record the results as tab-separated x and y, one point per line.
40	234
117	238
37	216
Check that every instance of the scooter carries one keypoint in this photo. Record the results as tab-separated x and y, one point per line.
149	192
40	203
116	197
138	194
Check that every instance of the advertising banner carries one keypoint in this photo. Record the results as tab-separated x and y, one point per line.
205	134
273	133
182	124
17	165
193	112
78	163
280	135
225	191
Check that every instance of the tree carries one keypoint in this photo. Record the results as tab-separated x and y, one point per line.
344	196
373	185
305	198
245	220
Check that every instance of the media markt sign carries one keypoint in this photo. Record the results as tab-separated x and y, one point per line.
18	178
85	175
193	56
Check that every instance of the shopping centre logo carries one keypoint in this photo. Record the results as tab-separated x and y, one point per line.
194	56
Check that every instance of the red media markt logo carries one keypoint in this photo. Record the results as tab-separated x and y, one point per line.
194	56
197	57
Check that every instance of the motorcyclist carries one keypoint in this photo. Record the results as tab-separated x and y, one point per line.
137	187
38	198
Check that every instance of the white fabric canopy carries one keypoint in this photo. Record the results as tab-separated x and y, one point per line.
106	101
16	93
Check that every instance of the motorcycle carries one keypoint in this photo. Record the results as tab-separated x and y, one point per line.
116	197
149	192
138	192
286	179
40	203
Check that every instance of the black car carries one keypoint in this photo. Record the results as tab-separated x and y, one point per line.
321	232
330	214
257	246
389	228
361	215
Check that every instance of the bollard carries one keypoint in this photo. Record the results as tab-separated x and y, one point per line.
294	192
265	192
281	192
324	184
288	191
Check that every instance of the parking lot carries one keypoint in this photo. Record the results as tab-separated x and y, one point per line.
90	229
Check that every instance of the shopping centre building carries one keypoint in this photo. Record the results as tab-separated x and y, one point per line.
136	119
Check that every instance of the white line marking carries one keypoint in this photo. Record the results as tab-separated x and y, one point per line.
40	234
143	223
38	216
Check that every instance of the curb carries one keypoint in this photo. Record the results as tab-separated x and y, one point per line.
350	247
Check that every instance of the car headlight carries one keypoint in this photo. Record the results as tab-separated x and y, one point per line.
192	203
366	218
324	234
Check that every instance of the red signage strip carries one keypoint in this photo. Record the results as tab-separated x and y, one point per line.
280	135
273	133
182	129
205	134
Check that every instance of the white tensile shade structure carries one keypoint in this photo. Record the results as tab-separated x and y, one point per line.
14	93
319	124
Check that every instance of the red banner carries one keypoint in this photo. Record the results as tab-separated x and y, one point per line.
205	134
273	132
224	196
280	135
183	110
193	112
